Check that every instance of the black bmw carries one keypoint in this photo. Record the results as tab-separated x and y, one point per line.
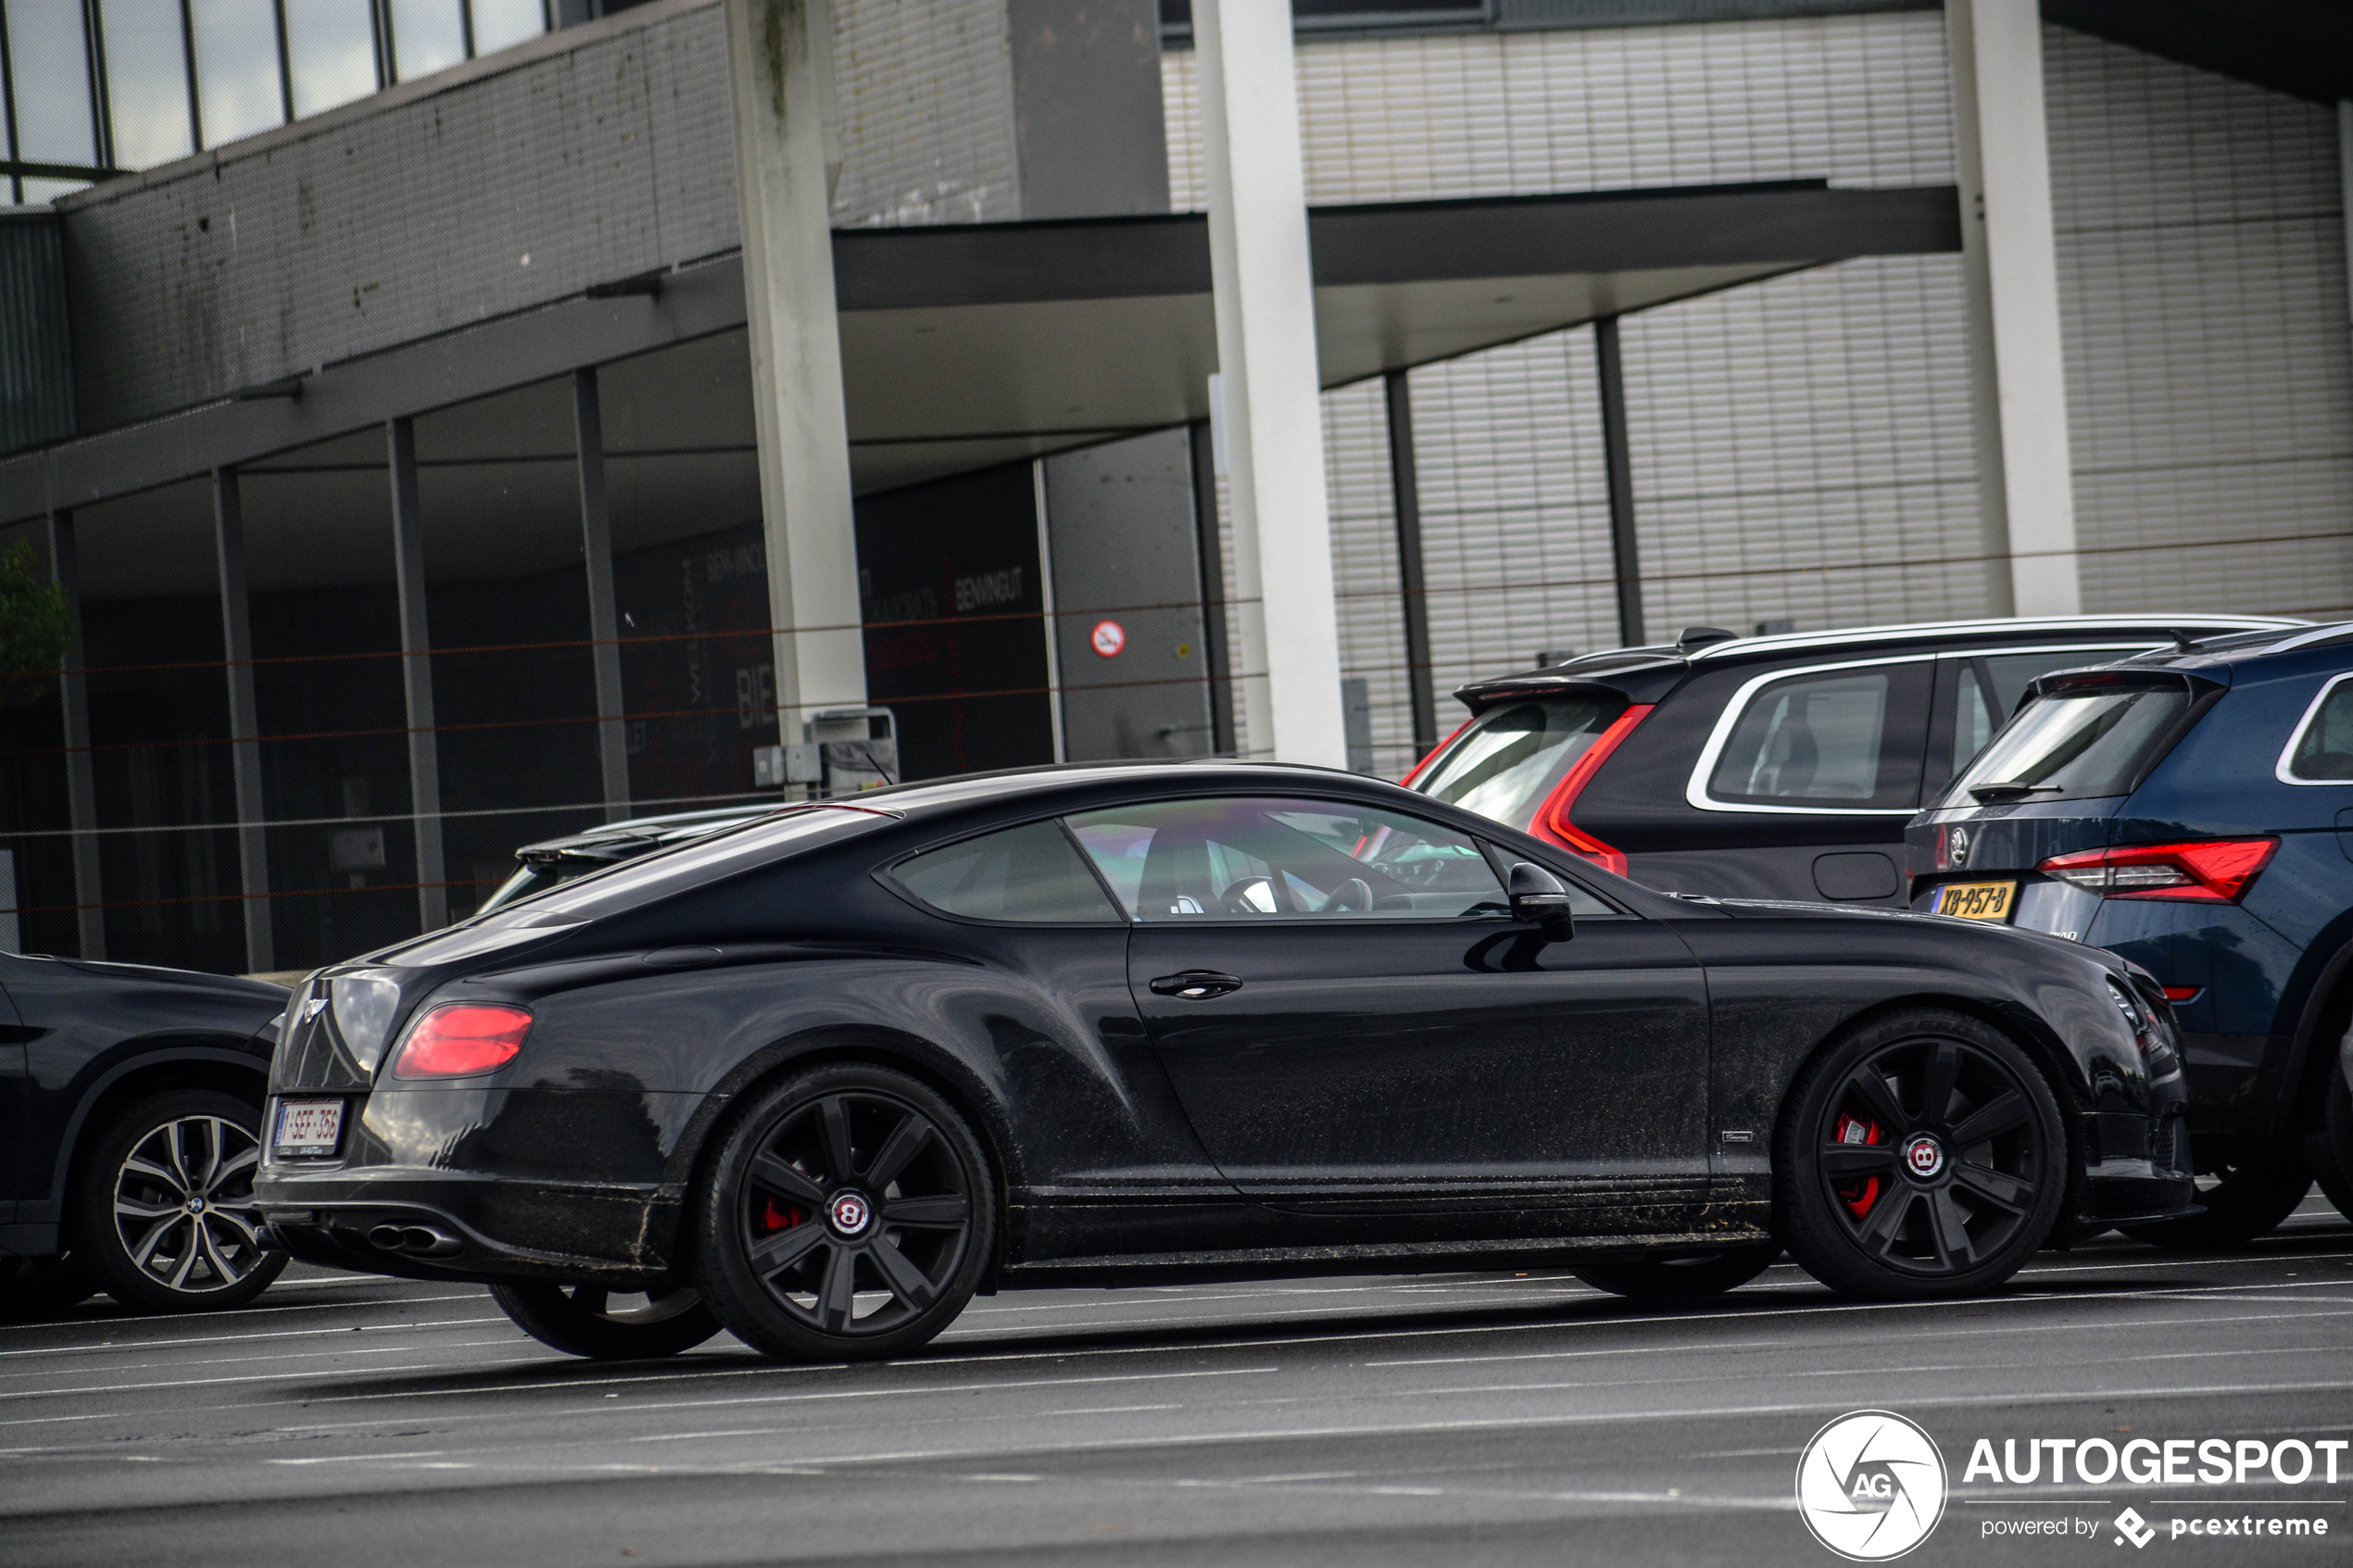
822	1078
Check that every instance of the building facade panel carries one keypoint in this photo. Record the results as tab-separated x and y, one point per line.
2202	274
488	190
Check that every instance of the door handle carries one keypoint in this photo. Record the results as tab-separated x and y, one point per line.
1196	984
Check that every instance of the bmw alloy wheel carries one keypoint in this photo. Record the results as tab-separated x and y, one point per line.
170	1226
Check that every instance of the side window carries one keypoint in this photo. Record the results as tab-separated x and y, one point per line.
1025	874
2323	753
1831	738
1271	859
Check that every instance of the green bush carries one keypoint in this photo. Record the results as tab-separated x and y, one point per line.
34	629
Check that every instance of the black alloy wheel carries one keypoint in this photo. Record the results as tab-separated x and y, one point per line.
1679	1279
849	1215
164	1217
604	1325
1922	1156
2243	1200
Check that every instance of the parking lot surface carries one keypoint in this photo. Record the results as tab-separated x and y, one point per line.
1459	1419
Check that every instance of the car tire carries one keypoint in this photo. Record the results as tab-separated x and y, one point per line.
834	1187
1882	1190
2329	1150
1679	1279
580	1320
163	1218
2244	1201
32	1288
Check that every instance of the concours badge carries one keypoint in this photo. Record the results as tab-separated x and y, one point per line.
1871	1486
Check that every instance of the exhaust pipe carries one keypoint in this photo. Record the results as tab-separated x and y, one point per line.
418	1241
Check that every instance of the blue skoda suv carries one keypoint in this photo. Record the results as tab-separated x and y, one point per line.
2189	810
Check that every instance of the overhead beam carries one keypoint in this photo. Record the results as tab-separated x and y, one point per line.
1768	227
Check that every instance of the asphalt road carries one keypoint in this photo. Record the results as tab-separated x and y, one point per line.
1457	1419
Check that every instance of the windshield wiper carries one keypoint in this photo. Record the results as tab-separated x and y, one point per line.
1987	793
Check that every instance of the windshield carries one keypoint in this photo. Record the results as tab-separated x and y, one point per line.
1507	760
2078	743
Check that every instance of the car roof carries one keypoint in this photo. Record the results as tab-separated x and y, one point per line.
1702	647
2249	648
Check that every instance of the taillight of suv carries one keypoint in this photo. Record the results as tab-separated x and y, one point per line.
2212	870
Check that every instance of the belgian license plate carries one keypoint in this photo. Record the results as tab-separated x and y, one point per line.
1975	900
308	1126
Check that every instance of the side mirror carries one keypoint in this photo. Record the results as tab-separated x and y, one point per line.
1540	899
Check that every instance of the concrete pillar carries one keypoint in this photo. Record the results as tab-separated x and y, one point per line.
1218	664
781	56
2011	262
604	617
1617	466
1273	415
244	721
416	679
82	784
1413	582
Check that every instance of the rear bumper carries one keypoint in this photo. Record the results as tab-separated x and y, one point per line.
355	1220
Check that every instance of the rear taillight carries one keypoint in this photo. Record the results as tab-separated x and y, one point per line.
460	1040
1552	818
2213	870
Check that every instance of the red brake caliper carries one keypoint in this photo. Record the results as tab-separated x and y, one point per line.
1858	1196
772	1219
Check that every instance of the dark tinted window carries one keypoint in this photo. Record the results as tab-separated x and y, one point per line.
1988	689
2079	742
2324	751
1253	859
1844	738
1029	872
1510	758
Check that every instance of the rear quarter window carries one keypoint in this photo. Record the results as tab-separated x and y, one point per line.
2322	749
1031	872
1844	739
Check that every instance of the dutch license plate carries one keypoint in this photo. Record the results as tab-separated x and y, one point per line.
1975	900
308	1126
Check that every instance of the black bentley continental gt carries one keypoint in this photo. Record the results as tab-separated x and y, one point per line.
823	1077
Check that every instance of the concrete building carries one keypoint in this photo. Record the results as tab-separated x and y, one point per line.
390	416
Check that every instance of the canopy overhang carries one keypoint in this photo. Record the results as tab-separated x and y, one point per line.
968	345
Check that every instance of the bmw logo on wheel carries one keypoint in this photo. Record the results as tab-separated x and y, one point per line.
1871	1486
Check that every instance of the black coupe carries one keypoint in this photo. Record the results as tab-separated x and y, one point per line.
824	1077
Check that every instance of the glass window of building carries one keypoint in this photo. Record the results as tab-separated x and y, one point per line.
427	35
331	44
238	91
146	82
93	85
49	71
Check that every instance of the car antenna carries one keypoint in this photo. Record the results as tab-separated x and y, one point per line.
2183	641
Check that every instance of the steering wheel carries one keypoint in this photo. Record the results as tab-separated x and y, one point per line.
1354	896
1238	900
